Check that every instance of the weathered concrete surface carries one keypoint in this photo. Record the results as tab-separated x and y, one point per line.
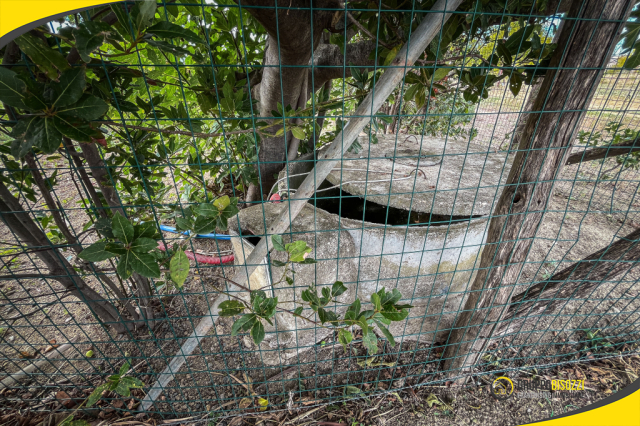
430	266
464	183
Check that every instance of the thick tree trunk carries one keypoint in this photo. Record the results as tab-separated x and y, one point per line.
575	281
584	50
29	232
291	41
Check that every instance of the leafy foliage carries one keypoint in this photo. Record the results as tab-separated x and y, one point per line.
119	383
614	134
385	306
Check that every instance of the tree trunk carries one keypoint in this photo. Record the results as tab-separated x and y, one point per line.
395	112
567	89
101	176
84	177
53	208
29	232
575	281
291	41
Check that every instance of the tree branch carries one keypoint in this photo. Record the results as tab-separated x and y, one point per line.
622	148
573	282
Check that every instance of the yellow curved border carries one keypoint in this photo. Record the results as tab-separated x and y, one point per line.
15	14
621	412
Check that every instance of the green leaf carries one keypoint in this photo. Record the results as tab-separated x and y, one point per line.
144	264
207	210
222	202
122	389
391	55
124	269
124	369
278	244
230	308
96	252
13	91
132	382
298	310
297	250
103	226
375	299
298	132
116	248
257	332
440	73
168	30
169	48
244	321
122	228
386	333
337	289
142	13
205	225
89	36
144	245
20	147
344	337
326	316
75	128
504	53
122	17
70	88
370	341
278	263
145	230
24	132
46	136
391	297
352	390
179	267
50	61
633	60
393	314
515	40
88	108
96	394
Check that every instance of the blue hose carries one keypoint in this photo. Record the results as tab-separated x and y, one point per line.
212	236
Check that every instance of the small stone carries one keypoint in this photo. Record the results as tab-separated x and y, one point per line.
528	410
33	389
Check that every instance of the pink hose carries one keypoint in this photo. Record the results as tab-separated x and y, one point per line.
210	260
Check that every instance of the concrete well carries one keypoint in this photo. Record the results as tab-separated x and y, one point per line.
421	235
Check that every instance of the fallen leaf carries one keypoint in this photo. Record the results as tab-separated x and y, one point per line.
26	355
65	399
245	402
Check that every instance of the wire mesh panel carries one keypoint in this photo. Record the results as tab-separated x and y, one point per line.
150	150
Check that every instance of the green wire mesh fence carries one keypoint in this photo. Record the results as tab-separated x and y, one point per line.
148	147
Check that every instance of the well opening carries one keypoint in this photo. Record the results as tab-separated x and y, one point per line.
346	205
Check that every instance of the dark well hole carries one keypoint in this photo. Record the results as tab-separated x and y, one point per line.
353	207
251	237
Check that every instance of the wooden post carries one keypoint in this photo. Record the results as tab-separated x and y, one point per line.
589	36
